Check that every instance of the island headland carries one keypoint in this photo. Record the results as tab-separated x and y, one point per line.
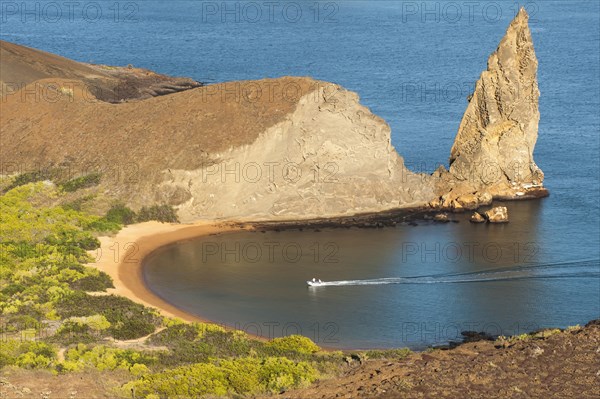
273	150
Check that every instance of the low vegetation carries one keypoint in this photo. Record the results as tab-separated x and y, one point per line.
81	182
121	214
56	176
51	303
249	375
160	213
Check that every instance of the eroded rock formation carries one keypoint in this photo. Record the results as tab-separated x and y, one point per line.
329	156
492	155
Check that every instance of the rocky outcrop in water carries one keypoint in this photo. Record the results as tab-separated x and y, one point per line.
477	218
497	214
492	155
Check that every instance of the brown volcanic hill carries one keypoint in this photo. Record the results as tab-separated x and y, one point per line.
23	65
164	149
54	120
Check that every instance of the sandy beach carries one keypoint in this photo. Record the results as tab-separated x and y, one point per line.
121	257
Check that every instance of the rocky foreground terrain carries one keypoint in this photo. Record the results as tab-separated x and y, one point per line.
267	150
548	364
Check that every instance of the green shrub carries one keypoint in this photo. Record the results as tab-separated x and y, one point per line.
196	342
95	281
160	213
121	214
293	343
249	375
184	382
21	322
128	319
73	334
103	225
278	373
172	336
131	328
12	288
35	355
103	357
228	343
26	178
71	240
86	181
9	352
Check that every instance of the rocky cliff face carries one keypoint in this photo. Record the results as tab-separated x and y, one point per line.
329	156
492	155
275	149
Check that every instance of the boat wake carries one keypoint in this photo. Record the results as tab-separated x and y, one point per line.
578	269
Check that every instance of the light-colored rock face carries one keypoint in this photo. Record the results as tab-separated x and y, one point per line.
331	156
493	150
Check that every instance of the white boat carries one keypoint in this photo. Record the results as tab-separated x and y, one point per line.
314	283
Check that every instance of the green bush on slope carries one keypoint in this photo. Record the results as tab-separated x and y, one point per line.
86	181
293	343
42	251
234	376
121	214
160	213
128	319
28	354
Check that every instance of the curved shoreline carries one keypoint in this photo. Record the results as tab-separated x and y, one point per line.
121	257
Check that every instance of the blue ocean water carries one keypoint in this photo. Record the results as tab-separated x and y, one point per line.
413	63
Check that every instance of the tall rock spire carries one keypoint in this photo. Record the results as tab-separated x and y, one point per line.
493	150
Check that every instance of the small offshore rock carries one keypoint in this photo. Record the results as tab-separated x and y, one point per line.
476	217
498	214
441	217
